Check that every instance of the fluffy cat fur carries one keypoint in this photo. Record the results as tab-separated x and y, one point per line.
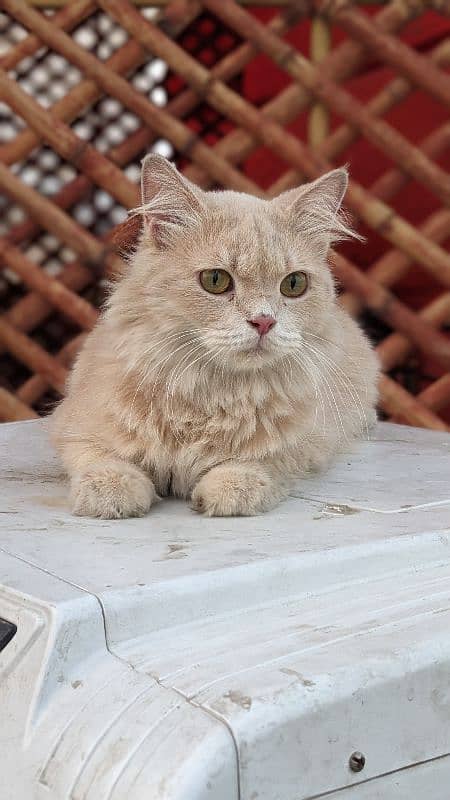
175	392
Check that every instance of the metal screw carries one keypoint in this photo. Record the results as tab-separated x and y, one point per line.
357	761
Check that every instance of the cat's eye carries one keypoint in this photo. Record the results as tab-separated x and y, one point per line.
294	284
215	281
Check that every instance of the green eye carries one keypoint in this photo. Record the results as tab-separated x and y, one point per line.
215	281
294	284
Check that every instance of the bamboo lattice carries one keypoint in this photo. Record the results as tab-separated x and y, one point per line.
204	118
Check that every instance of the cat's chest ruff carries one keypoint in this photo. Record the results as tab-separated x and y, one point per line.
230	423
181	442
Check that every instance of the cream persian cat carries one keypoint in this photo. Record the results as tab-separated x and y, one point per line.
222	367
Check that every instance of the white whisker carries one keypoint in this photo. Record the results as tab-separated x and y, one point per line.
344	380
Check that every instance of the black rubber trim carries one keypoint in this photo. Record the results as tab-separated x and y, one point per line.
7	631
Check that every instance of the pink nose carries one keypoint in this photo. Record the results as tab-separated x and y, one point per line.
263	323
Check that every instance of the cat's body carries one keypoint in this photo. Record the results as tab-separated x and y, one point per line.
224	398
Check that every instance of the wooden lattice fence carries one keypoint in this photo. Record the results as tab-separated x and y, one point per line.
174	78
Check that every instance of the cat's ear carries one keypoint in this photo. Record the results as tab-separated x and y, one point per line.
314	209
170	203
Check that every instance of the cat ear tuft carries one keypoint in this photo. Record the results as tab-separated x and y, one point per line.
170	203
314	209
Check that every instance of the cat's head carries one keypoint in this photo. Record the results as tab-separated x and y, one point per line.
241	278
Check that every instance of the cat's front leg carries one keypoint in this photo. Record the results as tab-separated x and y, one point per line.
111	489
237	489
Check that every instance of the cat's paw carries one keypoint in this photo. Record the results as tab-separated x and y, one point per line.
112	490
235	490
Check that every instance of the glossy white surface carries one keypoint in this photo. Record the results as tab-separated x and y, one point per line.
182	657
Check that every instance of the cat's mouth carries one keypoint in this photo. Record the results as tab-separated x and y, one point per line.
260	347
